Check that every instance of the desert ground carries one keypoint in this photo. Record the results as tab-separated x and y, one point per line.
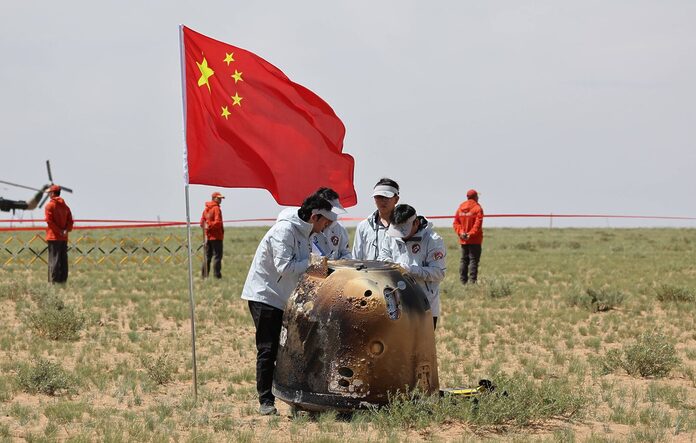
590	332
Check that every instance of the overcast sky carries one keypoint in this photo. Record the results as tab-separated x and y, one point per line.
543	106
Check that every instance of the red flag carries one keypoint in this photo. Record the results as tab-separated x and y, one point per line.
250	126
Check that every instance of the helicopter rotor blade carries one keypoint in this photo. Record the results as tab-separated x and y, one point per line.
20	186
66	189
48	168
43	200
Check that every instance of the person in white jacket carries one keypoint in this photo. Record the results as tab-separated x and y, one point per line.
372	231
282	256
420	251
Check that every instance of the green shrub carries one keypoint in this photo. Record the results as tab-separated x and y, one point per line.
45	377
56	321
652	355
668	293
13	289
517	401
160	369
610	362
596	300
499	288
526	246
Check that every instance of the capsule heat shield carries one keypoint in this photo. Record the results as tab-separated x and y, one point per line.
352	336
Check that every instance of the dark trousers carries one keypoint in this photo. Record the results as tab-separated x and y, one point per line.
468	266
213	251
268	321
57	261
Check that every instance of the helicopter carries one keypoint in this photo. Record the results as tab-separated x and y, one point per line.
38	200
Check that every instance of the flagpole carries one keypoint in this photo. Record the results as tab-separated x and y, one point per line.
188	219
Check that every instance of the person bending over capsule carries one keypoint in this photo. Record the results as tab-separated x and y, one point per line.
283	255
412	244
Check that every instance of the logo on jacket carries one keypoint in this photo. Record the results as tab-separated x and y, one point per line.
334	240
415	248
437	255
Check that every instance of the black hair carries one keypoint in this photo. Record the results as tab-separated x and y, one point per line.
310	203
402	213
327	194
387	182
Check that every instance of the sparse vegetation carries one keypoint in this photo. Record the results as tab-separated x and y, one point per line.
160	369
669	293
568	312
45	377
498	288
652	355
55	320
596	300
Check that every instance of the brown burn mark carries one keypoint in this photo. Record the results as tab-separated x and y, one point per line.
343	350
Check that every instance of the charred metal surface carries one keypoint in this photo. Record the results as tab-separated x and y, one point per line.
352	335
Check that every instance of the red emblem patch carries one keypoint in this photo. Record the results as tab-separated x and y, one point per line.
334	240
415	248
437	255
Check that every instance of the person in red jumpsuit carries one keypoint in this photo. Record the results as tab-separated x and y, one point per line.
60	221
468	224
211	222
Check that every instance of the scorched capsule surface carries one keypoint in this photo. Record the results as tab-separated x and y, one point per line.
352	335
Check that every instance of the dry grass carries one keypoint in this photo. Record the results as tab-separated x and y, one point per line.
550	308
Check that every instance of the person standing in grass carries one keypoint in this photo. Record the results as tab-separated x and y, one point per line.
60	221
371	232
418	250
282	256
468	225
214	232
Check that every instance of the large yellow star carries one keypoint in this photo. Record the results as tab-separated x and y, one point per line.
228	58
225	112
206	72
237	76
236	100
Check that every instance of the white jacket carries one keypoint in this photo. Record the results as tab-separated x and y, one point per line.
332	243
369	236
423	258
281	258
336	238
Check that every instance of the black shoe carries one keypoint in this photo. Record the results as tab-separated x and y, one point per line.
268	409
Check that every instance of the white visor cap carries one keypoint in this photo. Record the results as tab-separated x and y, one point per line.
327	214
337	207
385	191
403	229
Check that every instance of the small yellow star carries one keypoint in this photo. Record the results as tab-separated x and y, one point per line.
237	100
228	58
206	72
237	76
225	112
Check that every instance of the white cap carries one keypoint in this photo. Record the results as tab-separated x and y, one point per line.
403	229
337	207
328	214
385	191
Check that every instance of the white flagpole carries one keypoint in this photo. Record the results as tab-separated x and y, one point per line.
188	219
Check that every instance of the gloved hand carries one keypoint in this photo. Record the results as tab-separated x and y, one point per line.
316	259
318	265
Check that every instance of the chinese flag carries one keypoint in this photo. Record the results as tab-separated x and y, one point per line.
250	126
